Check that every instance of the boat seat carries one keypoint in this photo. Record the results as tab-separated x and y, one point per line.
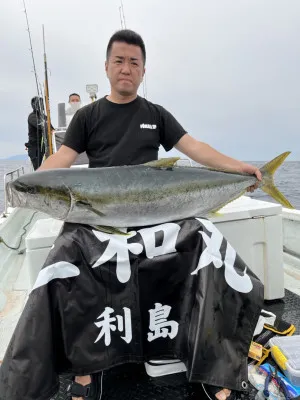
254	229
39	242
57	140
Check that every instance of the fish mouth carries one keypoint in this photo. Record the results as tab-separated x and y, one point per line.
17	193
13	196
9	191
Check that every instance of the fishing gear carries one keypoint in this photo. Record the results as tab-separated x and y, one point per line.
40	110
49	149
123	26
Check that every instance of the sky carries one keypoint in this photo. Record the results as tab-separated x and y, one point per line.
228	70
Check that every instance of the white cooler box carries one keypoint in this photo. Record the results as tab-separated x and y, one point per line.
38	244
254	229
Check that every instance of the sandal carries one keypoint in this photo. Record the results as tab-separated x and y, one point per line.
211	392
92	391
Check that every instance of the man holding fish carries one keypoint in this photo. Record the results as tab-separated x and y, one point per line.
125	129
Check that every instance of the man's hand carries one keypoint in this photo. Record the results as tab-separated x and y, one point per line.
252	170
203	154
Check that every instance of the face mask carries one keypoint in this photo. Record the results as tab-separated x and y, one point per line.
75	105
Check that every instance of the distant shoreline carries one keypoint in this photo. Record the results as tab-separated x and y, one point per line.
17	157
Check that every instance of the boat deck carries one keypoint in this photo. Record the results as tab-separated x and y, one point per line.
127	381
130	381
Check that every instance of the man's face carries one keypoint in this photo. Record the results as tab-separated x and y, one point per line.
74	99
125	68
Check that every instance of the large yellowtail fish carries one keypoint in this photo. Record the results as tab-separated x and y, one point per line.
139	195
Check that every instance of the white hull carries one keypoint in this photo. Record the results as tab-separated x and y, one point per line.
291	249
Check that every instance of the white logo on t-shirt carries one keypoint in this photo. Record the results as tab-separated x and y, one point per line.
148	126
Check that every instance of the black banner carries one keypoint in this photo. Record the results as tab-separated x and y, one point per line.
173	291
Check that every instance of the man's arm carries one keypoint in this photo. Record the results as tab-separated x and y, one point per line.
64	158
204	154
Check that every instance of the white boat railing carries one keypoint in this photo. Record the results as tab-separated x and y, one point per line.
10	176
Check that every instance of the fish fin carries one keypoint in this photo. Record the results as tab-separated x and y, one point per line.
268	185
109	229
80	202
87	206
215	214
163	162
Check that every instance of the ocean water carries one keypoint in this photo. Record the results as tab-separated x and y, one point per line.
8	166
287	179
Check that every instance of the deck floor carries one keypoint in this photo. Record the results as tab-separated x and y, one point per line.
130	382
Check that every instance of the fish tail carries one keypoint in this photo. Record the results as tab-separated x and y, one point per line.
268	185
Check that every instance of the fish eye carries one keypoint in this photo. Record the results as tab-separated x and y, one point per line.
19	186
31	190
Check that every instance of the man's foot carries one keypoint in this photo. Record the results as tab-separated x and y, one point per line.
214	392
85	387
83	380
223	394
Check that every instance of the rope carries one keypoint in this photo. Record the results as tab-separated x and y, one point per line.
21	237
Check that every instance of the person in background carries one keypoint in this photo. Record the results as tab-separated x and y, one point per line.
74	98
35	145
74	105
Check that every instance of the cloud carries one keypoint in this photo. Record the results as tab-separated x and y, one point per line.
227	70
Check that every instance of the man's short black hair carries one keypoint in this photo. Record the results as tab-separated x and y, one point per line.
129	37
73	94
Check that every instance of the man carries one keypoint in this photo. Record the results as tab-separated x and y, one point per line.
74	105
125	129
74	98
35	146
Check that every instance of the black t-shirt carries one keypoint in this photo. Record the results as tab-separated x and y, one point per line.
122	134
